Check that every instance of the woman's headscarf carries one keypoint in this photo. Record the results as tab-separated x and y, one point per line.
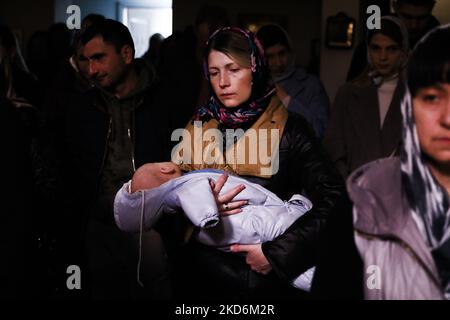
262	90
373	74
273	34
428	200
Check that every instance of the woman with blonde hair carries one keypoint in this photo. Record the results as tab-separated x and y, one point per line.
244	114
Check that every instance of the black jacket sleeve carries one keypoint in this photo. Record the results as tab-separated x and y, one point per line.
312	174
339	269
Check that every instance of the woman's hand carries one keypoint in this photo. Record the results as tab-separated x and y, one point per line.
224	203
255	257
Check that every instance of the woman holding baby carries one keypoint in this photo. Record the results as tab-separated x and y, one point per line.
244	106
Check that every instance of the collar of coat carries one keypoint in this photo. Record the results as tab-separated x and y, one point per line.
231	160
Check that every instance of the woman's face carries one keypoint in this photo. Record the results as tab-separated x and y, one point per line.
231	82
385	55
431	107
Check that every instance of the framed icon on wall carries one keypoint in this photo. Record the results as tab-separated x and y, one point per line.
340	31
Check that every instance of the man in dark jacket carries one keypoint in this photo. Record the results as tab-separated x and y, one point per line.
100	136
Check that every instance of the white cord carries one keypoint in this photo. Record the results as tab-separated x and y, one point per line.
141	231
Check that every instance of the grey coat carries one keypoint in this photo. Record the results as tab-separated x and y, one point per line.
397	262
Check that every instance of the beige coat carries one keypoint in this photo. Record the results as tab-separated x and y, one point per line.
273	118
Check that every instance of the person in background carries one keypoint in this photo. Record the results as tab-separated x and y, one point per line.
401	205
97	140
418	19
154	49
23	87
365	121
300	92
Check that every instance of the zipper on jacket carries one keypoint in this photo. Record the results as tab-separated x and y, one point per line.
106	145
408	249
108	134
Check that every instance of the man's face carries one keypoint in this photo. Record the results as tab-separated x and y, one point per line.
415	17
277	58
385	55
106	66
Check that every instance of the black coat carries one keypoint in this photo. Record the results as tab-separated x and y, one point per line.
16	214
304	168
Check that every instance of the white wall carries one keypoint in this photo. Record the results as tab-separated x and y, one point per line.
334	63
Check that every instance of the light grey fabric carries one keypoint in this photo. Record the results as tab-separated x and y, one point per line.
264	218
392	248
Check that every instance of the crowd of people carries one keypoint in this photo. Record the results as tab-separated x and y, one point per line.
350	202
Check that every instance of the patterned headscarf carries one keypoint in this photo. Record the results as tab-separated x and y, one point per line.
428	200
262	89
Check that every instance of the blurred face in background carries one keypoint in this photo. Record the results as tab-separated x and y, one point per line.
415	18
277	58
385	55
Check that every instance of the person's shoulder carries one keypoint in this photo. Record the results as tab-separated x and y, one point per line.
378	175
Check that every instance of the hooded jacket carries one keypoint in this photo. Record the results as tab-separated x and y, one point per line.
397	261
78	128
